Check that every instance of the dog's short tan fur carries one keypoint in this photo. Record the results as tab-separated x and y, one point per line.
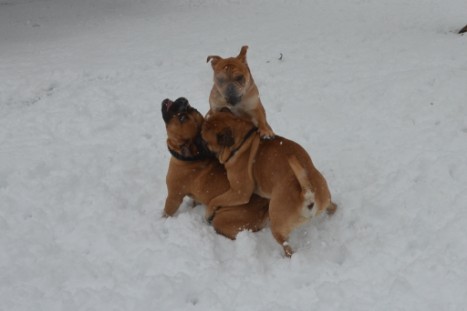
280	170
203	178
235	89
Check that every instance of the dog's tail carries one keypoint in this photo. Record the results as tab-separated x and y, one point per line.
300	173
303	180
308	191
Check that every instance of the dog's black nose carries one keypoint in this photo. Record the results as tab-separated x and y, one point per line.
182	101
181	105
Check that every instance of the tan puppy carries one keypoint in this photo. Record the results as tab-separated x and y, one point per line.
280	170
194	172
235	89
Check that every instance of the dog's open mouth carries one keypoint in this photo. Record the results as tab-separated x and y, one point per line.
173	108
167	103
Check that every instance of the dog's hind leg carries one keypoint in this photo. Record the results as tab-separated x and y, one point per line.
281	234
285	216
282	240
331	209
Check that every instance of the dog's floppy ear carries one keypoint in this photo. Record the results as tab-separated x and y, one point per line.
242	55
225	137
214	59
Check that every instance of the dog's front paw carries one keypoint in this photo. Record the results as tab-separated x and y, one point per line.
266	134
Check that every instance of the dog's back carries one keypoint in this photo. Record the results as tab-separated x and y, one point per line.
285	162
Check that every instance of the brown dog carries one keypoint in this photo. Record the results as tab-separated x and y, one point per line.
194	172
235	89
280	170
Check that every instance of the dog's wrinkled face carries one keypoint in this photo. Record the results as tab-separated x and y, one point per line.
223	130
217	136
183	122
231	76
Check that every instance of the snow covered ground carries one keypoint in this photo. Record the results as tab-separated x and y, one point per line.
374	90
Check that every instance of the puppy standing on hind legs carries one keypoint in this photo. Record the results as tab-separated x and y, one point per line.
234	88
279	169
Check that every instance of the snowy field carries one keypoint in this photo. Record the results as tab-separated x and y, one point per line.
376	91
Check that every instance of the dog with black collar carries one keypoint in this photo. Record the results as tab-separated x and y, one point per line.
195	172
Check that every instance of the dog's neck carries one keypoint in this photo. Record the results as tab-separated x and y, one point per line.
194	150
242	142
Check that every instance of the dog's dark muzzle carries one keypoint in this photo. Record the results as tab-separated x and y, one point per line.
171	108
231	95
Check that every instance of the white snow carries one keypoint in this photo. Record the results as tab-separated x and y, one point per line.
374	90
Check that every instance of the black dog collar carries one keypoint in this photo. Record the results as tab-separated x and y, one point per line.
203	152
245	138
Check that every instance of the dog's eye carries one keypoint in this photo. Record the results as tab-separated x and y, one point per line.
220	80
240	79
